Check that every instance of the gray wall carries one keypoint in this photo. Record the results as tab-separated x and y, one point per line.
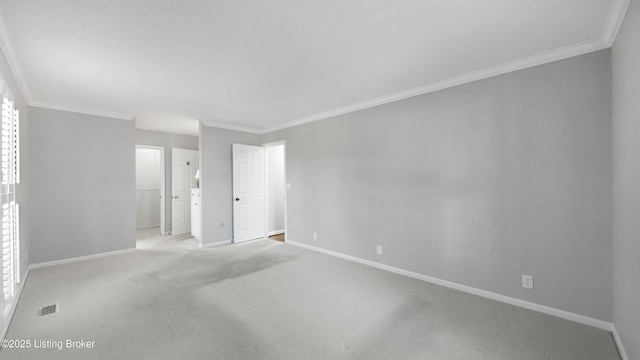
626	186
216	183
169	141
476	184
82	189
23	189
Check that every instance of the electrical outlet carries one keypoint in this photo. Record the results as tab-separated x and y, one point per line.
288	186
220	224
315	235
379	249
527	281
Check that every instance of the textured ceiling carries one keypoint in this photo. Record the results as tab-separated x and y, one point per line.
262	65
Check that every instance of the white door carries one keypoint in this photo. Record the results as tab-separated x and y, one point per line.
184	166
248	193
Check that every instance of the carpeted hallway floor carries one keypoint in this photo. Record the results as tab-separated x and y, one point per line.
268	300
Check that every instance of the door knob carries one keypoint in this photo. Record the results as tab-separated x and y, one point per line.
237	199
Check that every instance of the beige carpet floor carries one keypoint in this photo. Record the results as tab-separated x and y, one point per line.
268	300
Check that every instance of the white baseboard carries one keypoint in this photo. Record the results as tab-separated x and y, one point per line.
618	340
14	305
147	227
217	243
277	232
81	258
471	290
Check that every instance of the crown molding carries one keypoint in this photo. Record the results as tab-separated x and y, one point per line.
614	20
507	67
612	24
82	110
610	29
225	126
9	53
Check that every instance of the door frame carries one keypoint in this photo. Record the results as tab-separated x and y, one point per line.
163	194
173	151
266	186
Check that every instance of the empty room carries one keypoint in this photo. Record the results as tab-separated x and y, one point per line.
320	179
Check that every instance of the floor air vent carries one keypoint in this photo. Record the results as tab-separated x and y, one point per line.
48	310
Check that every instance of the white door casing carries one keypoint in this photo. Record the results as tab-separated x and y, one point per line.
183	171
248	193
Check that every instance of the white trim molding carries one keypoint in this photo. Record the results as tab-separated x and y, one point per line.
151	226
618	340
470	290
614	20
9	52
507	67
605	40
609	31
217	243
277	232
81	258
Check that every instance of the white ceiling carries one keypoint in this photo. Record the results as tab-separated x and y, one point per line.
261	65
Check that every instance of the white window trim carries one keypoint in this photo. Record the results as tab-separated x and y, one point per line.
9	216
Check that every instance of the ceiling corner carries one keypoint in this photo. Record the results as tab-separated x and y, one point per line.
9	54
614	21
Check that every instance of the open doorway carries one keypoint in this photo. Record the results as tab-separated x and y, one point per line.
185	194
276	190
150	205
162	237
